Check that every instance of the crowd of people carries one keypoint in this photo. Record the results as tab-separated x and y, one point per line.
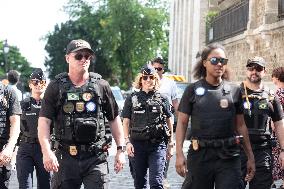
236	133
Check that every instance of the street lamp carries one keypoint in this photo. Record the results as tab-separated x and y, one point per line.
6	51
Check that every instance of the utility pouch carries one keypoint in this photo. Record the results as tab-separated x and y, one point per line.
85	129
140	133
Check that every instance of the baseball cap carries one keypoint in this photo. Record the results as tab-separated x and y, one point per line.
78	44
148	69
37	74
256	60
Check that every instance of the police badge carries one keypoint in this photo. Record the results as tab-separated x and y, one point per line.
87	96
195	145
80	106
73	150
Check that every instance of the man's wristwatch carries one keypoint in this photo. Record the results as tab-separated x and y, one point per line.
122	148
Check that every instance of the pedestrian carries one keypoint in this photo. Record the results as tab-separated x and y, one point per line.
217	127
148	129
29	154
79	101
168	88
260	107
10	112
278	80
13	78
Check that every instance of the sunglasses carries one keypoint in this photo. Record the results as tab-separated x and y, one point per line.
145	77
215	61
159	69
35	82
256	67
80	56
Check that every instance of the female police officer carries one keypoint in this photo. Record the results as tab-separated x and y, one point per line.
146	120
29	153
216	116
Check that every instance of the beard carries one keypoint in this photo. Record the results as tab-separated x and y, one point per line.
255	79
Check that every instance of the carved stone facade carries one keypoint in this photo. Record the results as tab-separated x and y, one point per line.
264	37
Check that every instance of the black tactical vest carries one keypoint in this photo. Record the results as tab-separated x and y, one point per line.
257	112
213	112
4	113
80	119
147	119
29	118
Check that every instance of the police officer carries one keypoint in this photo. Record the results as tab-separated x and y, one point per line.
29	153
259	106
10	112
216	116
146	121
169	89
78	101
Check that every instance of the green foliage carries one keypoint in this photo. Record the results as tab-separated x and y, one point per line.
125	34
210	17
15	62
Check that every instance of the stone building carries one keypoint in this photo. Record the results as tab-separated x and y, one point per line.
246	28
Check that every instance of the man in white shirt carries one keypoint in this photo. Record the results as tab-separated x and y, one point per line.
169	89
13	78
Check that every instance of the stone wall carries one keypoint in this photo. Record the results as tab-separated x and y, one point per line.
269	46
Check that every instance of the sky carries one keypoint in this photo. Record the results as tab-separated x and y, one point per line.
24	22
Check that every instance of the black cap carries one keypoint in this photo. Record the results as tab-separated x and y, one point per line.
256	60
38	74
148	69
78	44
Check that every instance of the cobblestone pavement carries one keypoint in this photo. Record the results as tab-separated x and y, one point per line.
123	179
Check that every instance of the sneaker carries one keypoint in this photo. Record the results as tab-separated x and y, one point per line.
166	184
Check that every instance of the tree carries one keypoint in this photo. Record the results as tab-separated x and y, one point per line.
125	34
16	62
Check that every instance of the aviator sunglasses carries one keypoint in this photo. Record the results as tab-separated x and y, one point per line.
79	56
145	77
159	69
215	60
255	67
35	82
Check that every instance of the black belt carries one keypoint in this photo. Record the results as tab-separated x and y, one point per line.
78	147
31	140
217	143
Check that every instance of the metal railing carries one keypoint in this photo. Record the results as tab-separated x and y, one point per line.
281	9
229	22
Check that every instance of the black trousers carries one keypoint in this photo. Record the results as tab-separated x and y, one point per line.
263	164
84	168
5	174
206	169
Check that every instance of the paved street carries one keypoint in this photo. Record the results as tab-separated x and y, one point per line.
123	180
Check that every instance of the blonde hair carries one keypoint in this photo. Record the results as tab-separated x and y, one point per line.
137	84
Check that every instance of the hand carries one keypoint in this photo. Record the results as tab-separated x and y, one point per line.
130	149
6	155
50	161
170	151
119	161
281	159
250	169
181	164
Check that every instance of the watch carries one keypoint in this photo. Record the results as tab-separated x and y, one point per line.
122	148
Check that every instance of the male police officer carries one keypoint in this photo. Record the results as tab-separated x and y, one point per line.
29	153
9	130
78	101
259	105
